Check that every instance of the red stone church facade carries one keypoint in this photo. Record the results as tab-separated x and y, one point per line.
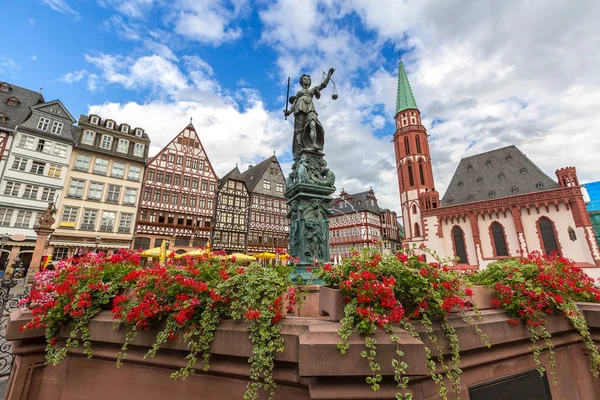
499	204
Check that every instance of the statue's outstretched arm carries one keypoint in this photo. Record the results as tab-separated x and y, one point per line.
324	84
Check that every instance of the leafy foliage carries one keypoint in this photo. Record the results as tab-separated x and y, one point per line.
401	289
532	288
187	298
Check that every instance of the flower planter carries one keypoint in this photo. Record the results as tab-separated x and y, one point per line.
331	303
482	297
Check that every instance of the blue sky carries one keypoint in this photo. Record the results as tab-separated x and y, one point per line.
485	75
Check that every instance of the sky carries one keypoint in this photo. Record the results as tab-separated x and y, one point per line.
484	75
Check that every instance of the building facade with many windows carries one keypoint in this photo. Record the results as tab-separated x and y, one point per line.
355	222
178	196
390	231
99	201
268	226
230	228
34	173
14	109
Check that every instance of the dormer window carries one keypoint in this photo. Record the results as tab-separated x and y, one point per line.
13	101
110	124
124	129
106	142
3	117
57	127
43	124
138	132
4	87
94	120
123	146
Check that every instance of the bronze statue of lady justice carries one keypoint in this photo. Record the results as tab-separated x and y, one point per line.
308	131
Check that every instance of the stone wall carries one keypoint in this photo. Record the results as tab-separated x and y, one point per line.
309	368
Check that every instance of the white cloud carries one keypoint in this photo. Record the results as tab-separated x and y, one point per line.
75	76
209	21
8	66
61	6
131	8
34	57
152	72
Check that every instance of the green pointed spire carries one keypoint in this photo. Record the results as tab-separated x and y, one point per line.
404	98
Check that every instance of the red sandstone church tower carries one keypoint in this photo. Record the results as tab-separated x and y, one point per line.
413	161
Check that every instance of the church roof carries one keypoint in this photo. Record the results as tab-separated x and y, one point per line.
404	97
498	173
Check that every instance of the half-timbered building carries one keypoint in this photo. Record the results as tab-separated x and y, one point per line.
390	232
268	226
498	204
355	222
230	227
99	201
178	196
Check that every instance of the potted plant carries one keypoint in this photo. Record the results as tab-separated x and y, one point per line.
186	298
532	288
384	292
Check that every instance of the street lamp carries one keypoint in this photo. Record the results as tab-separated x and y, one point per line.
98	241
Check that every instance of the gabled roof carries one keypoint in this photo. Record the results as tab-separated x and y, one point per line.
252	175
46	107
234	174
404	96
498	173
357	202
17	114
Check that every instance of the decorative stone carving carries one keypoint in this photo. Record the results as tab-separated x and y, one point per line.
46	219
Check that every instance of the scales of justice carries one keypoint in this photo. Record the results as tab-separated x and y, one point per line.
311	182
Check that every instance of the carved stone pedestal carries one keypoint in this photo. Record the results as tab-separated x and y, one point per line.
307	189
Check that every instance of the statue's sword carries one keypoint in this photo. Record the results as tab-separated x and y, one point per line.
287	96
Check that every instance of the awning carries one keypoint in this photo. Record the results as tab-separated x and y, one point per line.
90	245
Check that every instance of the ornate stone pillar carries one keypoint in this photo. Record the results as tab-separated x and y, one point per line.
43	230
308	192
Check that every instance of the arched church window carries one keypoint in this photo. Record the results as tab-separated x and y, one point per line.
401	174
499	239
414	208
549	242
460	251
417	231
421	174
572	234
418	140
411	179
406	146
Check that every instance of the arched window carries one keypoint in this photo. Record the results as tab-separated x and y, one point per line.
418	140
572	234
460	250
417	231
421	174
411	179
499	240
414	209
401	173
548	235
406	146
